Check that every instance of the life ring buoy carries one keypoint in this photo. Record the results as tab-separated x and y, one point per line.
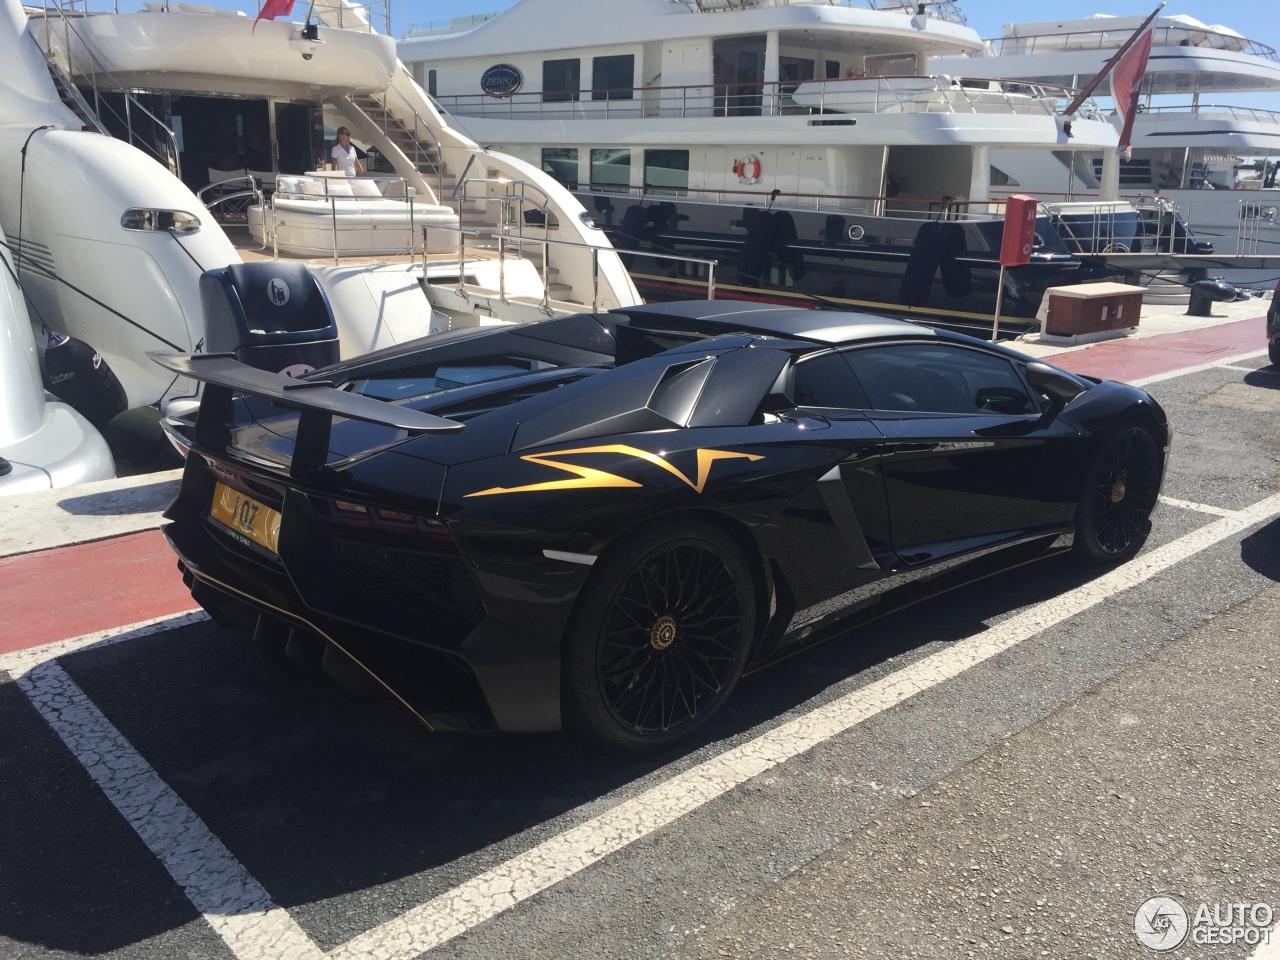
747	170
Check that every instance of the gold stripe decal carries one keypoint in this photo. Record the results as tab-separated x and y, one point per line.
585	478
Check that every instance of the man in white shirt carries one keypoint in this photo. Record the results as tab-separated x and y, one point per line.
343	155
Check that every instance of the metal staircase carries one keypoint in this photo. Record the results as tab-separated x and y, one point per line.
131	122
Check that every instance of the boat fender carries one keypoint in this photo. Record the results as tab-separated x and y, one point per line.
77	375
747	170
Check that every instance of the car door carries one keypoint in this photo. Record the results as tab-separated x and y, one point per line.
968	457
846	518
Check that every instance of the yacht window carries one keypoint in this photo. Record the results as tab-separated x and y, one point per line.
666	170
738	69
561	80
431	82
833	69
794	69
611	168
612	78
562	163
1001	179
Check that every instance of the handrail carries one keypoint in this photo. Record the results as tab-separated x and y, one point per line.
437	165
172	158
69	90
595	265
1255	113
772	98
942	9
252	190
821	201
1102	39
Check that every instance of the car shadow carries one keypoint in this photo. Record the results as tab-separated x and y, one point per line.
1260	551
1268	377
323	799
147	498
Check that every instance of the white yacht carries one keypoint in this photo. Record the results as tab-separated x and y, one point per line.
209	116
805	145
43	443
1188	145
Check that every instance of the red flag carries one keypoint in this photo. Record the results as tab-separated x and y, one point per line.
280	8
1126	84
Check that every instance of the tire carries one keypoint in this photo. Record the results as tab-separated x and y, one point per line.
1273	353
660	638
1113	517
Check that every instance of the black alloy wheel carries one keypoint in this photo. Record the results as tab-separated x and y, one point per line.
662	637
1113	518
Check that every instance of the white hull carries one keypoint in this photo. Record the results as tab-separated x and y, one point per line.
206	52
45	443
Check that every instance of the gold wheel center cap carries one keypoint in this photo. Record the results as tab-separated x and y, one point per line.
663	633
1117	493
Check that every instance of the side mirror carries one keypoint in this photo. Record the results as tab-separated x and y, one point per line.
1053	383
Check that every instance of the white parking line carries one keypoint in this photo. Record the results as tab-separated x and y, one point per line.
1262	370
483	897
1197	507
231	900
19	661
1172	374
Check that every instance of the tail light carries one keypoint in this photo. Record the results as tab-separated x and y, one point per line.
359	516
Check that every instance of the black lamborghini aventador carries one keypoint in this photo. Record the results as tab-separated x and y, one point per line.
598	522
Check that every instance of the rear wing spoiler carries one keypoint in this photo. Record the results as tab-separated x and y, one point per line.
316	401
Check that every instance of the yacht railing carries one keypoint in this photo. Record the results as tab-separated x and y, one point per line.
938	9
1144	225
870	205
896	94
1110	39
397	188
546	242
1257	217
1218	109
452	25
419	131
357	17
164	146
237	194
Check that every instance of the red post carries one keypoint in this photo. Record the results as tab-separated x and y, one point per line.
1019	230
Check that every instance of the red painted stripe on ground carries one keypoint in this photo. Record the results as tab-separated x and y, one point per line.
1128	360
67	592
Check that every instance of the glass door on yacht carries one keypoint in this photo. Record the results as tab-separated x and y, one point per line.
297	137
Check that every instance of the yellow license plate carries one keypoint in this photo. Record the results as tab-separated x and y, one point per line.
246	516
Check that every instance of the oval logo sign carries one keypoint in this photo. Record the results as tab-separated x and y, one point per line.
278	291
502	80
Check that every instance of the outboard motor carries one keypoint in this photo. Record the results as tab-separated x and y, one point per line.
272	315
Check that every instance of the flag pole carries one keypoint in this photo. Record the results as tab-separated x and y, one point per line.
1087	90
